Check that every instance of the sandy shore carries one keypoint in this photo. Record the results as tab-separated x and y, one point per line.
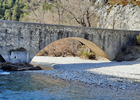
102	73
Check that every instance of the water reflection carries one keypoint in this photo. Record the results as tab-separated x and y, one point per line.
39	86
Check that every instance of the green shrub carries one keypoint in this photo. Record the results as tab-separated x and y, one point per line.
86	54
82	46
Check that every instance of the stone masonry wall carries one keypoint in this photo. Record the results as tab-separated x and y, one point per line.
33	37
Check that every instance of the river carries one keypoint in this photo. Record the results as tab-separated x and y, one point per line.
25	85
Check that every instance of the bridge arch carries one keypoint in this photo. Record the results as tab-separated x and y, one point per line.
92	46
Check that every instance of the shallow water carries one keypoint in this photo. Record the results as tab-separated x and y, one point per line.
40	86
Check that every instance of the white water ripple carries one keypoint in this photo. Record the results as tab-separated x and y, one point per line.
4	73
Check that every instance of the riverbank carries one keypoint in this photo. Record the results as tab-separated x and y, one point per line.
104	73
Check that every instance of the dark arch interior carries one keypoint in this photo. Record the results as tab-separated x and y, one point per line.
2	59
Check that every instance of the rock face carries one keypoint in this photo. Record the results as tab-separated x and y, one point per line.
129	53
100	2
18	67
118	16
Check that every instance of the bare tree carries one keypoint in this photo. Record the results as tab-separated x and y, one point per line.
73	12
36	8
58	9
79	11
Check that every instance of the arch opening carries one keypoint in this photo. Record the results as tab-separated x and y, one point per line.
2	59
57	49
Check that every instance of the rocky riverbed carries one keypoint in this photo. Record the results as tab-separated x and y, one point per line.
73	78
102	73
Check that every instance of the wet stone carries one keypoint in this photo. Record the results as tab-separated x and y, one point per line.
18	66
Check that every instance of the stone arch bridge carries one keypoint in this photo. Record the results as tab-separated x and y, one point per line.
21	41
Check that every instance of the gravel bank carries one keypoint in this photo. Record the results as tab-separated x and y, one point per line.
117	75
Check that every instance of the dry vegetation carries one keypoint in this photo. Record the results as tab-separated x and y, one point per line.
72	13
67	47
75	14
